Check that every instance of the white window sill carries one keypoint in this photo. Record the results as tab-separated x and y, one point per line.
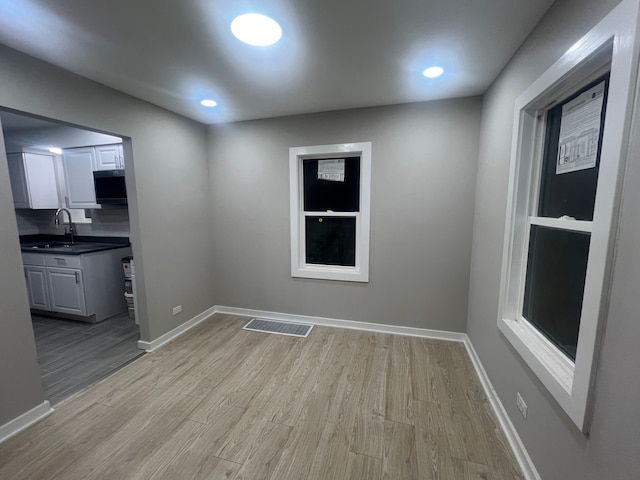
345	274
553	368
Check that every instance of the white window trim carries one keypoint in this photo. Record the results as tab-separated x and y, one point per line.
299	267
613	41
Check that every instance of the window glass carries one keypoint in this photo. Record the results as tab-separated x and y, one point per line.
330	240
556	271
573	192
336	194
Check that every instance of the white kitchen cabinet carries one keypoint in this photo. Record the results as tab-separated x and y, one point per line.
37	287
33	180
88	287
109	157
78	165
67	291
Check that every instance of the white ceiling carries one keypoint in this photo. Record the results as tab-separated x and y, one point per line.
334	54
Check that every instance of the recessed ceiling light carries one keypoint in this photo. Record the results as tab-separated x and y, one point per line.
256	29
208	102
433	72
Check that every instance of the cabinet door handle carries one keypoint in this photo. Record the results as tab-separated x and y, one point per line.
77	277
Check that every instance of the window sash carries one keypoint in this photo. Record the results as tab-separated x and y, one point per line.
555	223
303	241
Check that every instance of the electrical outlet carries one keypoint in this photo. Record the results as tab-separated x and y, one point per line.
521	405
177	310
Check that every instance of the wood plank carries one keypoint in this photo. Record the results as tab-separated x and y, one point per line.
399	394
362	467
258	369
465	470
294	395
399	458
268	449
127	447
332	455
43	453
368	431
432	442
300	449
420	369
184	455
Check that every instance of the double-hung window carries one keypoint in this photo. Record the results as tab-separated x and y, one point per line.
571	130
330	187
561	218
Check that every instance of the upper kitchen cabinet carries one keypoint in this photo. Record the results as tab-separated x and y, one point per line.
79	164
33	180
109	157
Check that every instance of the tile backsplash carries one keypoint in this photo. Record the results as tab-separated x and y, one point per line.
113	222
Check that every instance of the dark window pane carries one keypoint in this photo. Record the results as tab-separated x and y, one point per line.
331	240
571	193
322	195
554	288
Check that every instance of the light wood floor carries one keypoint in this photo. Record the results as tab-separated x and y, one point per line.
224	403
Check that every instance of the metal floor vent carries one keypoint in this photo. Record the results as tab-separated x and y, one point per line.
281	328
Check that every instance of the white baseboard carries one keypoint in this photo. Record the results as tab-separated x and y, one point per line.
519	450
176	332
350	324
24	421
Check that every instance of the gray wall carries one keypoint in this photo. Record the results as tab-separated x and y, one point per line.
558	449
169	209
423	180
20	388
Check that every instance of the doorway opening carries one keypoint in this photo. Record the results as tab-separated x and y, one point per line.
76	251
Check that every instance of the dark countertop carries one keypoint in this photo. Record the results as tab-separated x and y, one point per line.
60	244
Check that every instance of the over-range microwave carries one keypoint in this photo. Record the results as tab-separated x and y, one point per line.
110	187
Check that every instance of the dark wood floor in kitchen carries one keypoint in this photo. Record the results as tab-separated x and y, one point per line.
73	355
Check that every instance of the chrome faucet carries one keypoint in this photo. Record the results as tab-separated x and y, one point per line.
57	222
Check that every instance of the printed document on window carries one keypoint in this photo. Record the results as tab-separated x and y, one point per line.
580	131
332	170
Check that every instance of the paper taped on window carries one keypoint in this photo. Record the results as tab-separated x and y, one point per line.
332	170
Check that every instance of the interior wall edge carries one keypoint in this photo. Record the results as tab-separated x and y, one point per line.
25	420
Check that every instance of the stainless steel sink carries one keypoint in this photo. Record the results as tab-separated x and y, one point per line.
52	245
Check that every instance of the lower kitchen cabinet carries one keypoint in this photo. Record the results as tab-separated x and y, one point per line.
88	287
67	291
37	287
